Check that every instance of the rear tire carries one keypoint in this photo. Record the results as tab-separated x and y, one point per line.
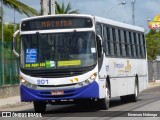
39	106
134	97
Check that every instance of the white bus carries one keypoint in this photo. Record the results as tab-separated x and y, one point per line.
69	58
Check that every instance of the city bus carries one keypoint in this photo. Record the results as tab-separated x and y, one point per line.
72	58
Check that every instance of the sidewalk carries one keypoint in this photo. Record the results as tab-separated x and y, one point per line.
11	102
154	83
15	100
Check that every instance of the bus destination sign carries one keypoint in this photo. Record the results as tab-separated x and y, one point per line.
56	23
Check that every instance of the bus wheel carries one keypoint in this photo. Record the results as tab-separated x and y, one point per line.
134	97
104	103
39	106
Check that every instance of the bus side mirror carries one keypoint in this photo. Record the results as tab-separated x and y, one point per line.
99	45
15	43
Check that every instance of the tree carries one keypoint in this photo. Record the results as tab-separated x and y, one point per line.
20	7
8	31
153	44
61	9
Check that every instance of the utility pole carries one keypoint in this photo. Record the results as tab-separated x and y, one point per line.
133	11
44	6
51	7
47	7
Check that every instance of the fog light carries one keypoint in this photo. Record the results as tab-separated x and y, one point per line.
22	79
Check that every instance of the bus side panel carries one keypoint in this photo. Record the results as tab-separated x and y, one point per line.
143	77
102	88
142	83
122	74
122	86
130	85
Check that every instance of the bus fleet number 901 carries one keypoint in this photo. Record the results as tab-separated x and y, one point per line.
42	81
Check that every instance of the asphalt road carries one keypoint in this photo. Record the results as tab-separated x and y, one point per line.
147	107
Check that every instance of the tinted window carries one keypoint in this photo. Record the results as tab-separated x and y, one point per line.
105	43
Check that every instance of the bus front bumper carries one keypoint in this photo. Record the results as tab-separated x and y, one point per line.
88	91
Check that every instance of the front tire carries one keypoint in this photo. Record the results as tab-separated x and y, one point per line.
39	106
104	103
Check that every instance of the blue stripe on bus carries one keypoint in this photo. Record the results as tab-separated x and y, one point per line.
89	91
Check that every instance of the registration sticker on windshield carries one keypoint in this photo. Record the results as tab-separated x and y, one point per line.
69	63
50	63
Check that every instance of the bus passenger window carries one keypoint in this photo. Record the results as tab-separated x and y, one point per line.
133	45
128	44
105	43
117	43
114	41
138	45
123	43
120	44
98	30
142	46
111	42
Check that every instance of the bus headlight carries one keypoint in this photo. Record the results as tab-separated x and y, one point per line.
93	76
88	81
27	84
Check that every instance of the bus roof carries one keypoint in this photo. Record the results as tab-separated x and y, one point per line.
58	15
118	24
96	18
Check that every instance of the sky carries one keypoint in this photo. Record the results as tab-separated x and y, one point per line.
144	10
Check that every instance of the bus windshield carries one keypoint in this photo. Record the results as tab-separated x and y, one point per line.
58	50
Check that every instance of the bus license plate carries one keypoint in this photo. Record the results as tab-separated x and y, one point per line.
59	92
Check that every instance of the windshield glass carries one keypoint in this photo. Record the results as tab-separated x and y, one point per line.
58	50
